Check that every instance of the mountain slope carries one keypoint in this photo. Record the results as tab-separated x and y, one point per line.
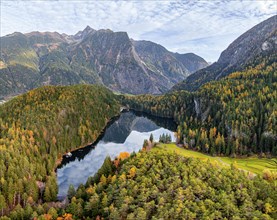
191	61
114	58
104	57
157	59
260	41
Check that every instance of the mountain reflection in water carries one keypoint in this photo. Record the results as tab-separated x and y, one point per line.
126	133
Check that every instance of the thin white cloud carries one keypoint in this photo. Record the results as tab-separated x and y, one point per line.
203	27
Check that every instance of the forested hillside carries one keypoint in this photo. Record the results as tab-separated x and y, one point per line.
39	127
236	115
103	125
162	185
170	105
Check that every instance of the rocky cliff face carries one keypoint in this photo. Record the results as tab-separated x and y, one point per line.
103	57
159	60
115	60
252	46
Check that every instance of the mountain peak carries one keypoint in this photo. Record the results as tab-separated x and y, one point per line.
14	34
82	34
90	56
88	29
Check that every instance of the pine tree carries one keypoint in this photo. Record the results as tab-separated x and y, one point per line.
151	138
71	192
53	212
47	195
106	168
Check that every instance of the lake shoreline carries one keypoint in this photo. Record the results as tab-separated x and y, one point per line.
125	132
88	145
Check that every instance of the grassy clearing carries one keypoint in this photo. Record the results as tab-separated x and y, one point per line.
252	164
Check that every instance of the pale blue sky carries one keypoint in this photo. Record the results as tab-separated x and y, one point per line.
202	27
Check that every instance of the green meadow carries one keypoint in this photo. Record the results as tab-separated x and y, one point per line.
252	164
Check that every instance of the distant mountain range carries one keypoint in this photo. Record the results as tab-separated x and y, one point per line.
104	57
247	50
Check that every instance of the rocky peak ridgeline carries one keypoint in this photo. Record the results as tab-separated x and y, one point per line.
90	56
247	50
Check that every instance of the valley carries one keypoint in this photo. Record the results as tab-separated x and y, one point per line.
102	126
56	140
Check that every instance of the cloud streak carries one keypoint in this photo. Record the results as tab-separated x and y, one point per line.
203	27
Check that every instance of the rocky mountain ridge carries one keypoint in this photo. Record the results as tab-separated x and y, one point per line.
103	57
247	50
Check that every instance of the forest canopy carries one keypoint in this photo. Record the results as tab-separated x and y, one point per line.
234	116
37	128
164	185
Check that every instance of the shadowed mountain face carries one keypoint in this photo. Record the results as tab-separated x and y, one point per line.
248	50
103	57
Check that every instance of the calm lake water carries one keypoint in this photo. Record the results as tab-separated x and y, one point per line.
125	133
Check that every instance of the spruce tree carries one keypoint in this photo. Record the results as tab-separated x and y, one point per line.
151	139
71	192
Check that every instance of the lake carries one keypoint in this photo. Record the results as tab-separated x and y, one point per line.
125	133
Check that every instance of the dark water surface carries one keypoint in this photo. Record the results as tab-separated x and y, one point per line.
125	133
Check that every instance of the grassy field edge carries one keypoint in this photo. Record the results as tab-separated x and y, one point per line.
252	164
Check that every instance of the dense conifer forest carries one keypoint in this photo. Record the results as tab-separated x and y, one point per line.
36	129
233	116
163	185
